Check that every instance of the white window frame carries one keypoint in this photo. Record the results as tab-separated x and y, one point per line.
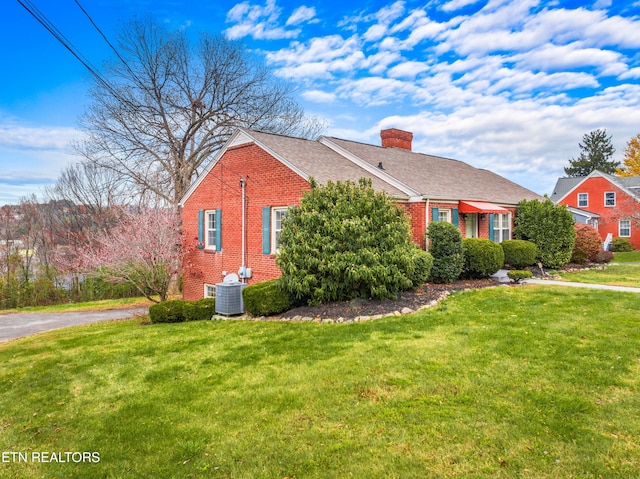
628	229
209	290
582	196
277	214
210	232
447	215
605	199
501	231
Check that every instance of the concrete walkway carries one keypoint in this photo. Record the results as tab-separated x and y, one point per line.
17	325
626	289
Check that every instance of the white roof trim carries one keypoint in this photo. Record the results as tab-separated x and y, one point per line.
240	137
368	167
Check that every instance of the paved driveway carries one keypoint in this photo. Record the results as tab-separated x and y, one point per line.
16	325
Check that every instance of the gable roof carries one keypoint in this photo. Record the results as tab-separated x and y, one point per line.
564	186
399	172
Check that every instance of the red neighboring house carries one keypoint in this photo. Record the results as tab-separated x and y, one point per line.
232	214
609	203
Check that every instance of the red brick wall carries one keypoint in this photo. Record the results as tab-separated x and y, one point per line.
417	217
268	183
625	208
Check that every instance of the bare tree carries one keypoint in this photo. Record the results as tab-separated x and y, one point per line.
168	105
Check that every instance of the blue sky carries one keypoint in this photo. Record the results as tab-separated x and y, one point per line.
510	86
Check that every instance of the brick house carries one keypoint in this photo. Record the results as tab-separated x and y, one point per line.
232	214
611	204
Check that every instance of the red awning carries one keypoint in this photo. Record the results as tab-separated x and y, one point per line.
480	207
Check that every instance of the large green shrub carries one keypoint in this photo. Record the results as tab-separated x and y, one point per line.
482	257
550	227
200	310
445	245
622	245
519	253
167	311
588	244
266	298
345	241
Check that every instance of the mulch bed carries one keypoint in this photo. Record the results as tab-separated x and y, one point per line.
372	307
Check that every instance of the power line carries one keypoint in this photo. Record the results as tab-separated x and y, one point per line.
104	37
58	35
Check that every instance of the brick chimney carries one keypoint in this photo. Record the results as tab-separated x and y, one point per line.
396	138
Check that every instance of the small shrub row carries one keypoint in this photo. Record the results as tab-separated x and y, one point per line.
266	298
178	310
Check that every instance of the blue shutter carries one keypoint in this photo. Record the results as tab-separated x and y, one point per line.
200	229
491	233
434	214
218	230
454	217
266	230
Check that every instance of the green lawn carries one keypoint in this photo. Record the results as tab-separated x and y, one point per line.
627	257
529	382
620	274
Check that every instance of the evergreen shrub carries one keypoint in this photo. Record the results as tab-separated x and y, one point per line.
347	241
445	245
200	310
266	298
622	245
550	227
168	311
517	275
519	253
482	258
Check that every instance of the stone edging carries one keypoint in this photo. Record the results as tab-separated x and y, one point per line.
309	319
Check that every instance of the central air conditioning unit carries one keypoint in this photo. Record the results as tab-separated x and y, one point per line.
229	296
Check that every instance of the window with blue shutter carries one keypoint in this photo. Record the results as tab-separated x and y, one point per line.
454	217
434	214
266	230
200	229
492	234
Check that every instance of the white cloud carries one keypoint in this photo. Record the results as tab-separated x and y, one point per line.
454	5
258	21
301	14
407	69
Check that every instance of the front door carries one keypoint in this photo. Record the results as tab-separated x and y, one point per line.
471	222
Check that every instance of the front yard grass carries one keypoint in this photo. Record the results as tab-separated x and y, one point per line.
529	382
620	274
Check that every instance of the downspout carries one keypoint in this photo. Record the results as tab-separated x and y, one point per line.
426	226
243	185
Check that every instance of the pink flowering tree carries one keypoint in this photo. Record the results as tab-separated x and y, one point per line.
143	250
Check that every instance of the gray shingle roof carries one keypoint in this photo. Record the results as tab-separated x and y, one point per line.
440	178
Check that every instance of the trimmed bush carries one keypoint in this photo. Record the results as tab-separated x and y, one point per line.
445	245
550	227
588	244
517	275
266	298
200	310
482	257
519	253
167	311
622	245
